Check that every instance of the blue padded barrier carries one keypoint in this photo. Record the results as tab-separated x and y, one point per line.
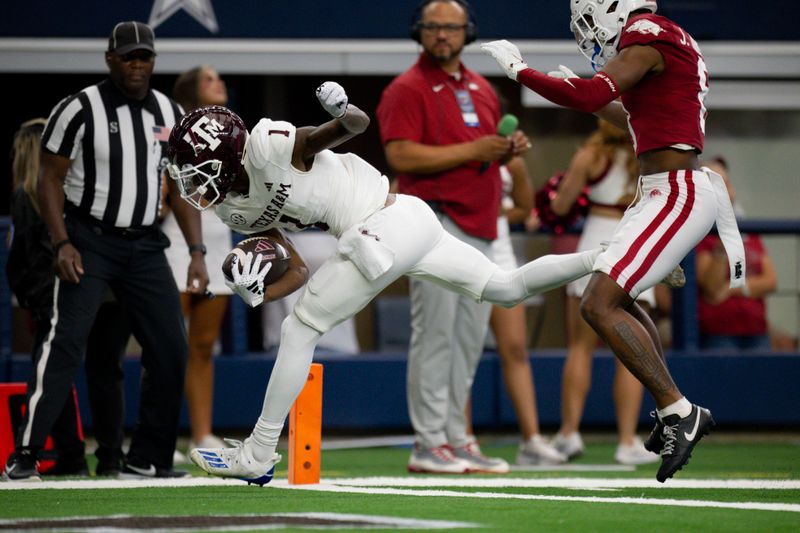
392	323
367	392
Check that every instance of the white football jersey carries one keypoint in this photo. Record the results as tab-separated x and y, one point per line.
339	190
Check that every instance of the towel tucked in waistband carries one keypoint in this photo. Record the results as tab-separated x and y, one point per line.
728	230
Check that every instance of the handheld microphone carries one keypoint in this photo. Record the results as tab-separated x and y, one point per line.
508	124
505	127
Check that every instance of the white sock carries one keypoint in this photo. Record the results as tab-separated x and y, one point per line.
264	439
288	378
682	408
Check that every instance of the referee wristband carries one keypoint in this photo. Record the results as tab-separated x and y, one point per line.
59	245
197	248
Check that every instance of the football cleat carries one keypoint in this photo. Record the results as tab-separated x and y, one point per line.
136	468
236	462
21	466
680	437
655	441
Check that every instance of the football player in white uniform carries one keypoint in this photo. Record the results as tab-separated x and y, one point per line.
280	177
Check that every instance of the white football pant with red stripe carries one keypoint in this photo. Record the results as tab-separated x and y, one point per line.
677	209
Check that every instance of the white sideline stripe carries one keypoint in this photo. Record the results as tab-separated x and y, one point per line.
122	483
784	507
580	483
573	468
419	481
369	442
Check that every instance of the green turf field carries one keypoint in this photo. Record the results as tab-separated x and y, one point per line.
729	485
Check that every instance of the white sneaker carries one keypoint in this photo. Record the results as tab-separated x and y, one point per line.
570	445
237	462
536	451
634	454
471	453
437	460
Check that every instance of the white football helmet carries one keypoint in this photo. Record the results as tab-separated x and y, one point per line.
597	25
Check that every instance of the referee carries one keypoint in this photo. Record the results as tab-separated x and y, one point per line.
103	154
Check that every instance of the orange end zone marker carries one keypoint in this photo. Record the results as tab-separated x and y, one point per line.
305	431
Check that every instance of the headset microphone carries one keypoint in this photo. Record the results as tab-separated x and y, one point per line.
506	126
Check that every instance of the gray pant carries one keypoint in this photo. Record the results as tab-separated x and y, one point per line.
447	336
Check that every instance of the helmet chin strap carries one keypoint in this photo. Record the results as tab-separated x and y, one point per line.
597	51
202	189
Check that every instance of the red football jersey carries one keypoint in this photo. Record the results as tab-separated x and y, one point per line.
669	108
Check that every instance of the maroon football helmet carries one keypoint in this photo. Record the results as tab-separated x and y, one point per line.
205	154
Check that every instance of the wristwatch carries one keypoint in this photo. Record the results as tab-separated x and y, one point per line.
197	248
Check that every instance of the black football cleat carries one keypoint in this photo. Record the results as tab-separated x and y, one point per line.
655	441
680	437
135	468
21	466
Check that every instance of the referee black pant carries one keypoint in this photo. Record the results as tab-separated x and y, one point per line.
105	351
137	272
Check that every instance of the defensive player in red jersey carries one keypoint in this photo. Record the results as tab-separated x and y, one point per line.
658	72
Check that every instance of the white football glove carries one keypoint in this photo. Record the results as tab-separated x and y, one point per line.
249	283
507	56
563	73
333	98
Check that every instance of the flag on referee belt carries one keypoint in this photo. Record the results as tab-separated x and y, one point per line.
161	133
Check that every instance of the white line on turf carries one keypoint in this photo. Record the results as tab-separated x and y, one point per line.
421	481
573	468
121	483
785	507
581	483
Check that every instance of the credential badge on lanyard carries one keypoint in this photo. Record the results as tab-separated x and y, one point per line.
467	108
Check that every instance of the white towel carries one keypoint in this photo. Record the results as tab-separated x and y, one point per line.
728	230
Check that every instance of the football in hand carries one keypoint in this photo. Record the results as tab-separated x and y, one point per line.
271	250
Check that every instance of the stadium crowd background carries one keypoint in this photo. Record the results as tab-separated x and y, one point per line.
273	55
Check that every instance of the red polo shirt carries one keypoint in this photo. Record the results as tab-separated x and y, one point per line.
420	105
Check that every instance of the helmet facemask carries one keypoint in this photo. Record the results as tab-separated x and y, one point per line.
198	183
597	25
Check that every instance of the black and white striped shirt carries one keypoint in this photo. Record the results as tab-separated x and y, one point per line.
118	149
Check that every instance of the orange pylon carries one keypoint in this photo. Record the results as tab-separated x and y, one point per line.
305	431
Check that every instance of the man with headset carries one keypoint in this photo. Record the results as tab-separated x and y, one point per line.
438	124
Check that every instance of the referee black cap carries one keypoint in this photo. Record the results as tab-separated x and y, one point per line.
129	36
